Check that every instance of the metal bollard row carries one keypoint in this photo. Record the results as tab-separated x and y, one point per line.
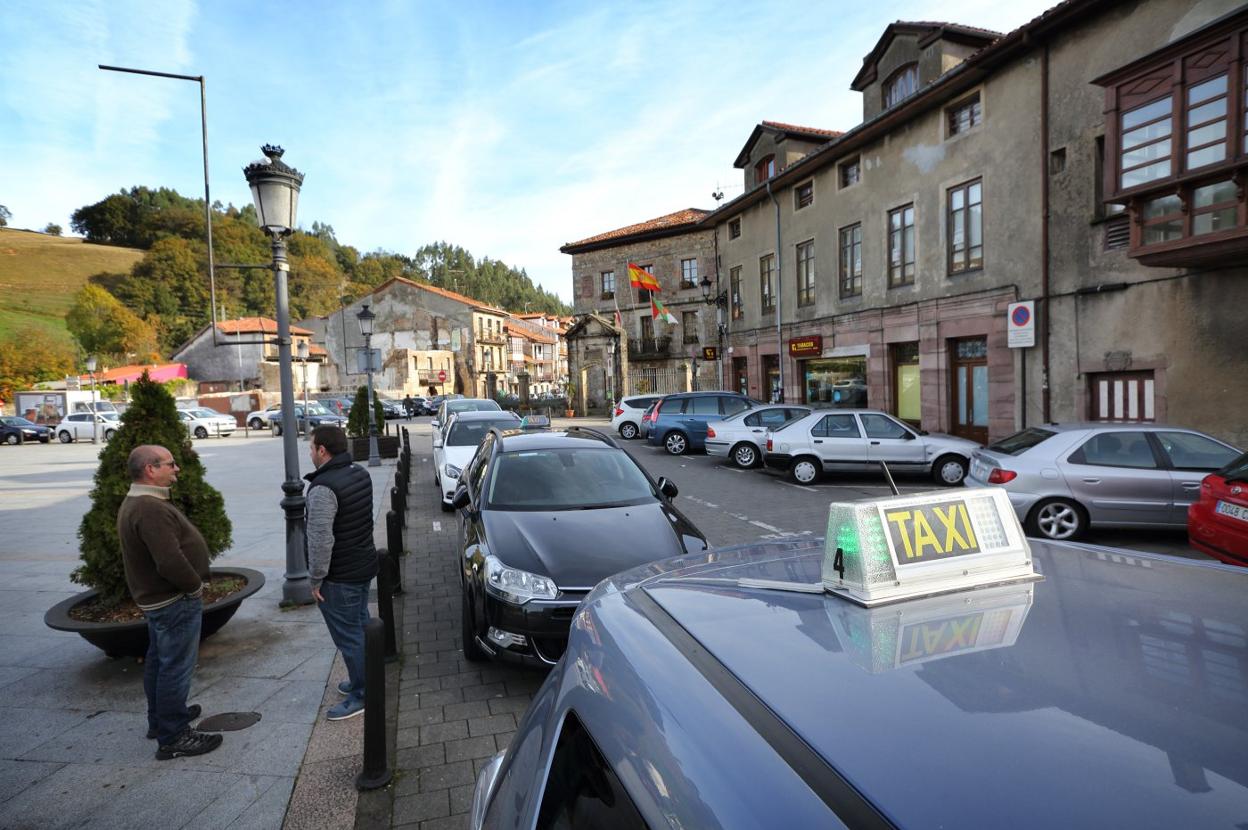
376	772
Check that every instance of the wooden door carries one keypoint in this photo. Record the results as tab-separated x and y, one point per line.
968	370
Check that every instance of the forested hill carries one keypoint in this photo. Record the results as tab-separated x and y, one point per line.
168	287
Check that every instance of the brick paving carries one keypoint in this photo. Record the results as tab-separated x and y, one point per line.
453	715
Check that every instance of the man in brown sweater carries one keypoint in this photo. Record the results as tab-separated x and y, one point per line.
166	562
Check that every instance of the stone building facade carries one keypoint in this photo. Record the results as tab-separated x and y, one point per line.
1091	161
245	357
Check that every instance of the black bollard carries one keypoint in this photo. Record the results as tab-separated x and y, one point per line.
396	504
385	605
394	540
376	772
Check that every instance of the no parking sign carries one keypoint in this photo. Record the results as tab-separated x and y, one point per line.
1021	325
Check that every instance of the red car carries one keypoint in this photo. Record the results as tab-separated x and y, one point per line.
1217	524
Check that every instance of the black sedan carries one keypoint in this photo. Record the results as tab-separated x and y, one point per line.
545	517
15	430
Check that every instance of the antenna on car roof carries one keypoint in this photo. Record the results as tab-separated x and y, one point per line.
892	484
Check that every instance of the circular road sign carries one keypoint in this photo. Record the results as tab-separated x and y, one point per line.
441	376
1021	316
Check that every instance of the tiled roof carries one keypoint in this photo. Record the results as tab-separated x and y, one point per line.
451	295
672	221
536	337
794	128
952	27
159	372
927	30
315	349
255	325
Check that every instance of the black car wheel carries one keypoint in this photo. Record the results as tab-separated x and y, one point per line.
745	455
11	438
628	430
468	638
1059	519
805	470
64	436
676	443
200	432
109	433
949	470
255	423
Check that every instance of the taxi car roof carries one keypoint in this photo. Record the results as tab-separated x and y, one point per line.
1120	701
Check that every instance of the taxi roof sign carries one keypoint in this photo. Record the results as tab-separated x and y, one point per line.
903	547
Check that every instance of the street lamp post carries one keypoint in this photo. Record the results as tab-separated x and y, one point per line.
303	356
611	371
720	301
95	423
366	318
275	191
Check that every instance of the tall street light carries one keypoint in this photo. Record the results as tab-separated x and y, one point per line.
275	191
95	415
366	319
304	351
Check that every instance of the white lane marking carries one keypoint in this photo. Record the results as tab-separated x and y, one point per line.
803	488
729	469
766	526
437	527
702	502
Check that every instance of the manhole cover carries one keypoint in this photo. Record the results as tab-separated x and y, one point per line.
228	722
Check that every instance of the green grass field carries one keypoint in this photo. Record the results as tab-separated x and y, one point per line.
39	275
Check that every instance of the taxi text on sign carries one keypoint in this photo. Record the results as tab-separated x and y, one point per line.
927	532
1021	325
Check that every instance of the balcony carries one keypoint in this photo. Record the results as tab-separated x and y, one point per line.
648	348
491	338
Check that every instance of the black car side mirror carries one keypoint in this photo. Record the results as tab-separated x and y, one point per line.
460	500
910	436
668	487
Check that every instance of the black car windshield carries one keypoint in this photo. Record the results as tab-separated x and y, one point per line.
568	478
1020	442
12	421
1237	470
470	433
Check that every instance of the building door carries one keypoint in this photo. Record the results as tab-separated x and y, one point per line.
968	362
905	360
740	371
771	379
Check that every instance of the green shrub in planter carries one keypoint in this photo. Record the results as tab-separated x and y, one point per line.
357	418
151	418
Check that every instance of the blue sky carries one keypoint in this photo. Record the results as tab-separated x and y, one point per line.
508	128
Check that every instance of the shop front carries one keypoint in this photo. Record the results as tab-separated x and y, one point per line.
835	382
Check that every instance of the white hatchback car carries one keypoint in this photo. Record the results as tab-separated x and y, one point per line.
78	426
626	417
452	454
202	422
858	440
741	438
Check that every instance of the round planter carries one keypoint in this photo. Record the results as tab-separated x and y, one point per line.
129	639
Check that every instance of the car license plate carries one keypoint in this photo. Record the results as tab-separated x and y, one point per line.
1235	511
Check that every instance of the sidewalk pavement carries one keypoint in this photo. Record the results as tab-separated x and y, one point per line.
72	745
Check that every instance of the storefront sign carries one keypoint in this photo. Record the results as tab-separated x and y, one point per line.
710	352
1021	325
806	346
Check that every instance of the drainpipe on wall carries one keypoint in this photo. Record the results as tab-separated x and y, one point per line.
779	283
1044	236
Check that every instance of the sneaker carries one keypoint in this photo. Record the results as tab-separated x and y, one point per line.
348	708
344	688
194	709
189	743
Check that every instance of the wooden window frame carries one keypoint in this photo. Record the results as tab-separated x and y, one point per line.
608	277
972	104
962	261
686	328
643	294
850	278
767	282
689	275
1144	401
734	296
890	84
765	168
897	271
805	256
843	172
734	228
799	201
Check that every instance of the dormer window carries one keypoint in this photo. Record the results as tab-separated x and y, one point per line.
765	169
901	84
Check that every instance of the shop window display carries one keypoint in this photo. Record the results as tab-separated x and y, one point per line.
836	382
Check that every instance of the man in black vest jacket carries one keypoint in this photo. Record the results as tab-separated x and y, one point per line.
341	557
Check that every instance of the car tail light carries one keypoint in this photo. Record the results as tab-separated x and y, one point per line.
710	432
768	443
1000	476
618	411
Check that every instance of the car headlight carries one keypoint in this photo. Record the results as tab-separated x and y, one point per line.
514	585
451	471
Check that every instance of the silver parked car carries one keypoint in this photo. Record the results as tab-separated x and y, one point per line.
847	440
742	437
1063	478
626	417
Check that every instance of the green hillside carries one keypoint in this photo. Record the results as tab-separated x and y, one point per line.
39	275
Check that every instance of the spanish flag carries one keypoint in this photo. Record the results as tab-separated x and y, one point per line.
638	277
660	313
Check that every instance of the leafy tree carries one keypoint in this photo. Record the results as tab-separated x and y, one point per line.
151	418
167	283
5	216
103	326
28	356
357	418
53	229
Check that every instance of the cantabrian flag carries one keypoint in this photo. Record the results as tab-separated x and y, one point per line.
638	277
661	313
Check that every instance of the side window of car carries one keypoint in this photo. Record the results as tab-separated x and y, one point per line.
772	417
582	790
840	426
1116	449
794	414
1189	451
881	426
703	405
731	405
753	420
673	406
480	466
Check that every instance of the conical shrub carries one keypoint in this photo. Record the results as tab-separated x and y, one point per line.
151	418
357	418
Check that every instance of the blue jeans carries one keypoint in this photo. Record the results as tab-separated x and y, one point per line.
345	610
173	648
